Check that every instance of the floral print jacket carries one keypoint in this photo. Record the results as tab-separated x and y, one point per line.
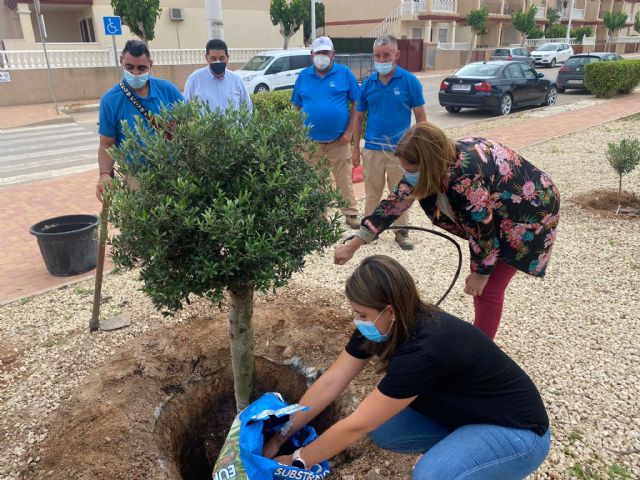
505	207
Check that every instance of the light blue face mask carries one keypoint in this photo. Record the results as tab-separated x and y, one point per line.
370	332
411	178
136	81
384	68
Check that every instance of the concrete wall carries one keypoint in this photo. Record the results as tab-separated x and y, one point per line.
9	23
356	18
71	84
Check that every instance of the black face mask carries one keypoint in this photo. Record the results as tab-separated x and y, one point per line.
218	68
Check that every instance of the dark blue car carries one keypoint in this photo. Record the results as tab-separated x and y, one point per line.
499	86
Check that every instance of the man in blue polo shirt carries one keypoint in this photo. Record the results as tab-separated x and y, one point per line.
323	92
389	96
115	106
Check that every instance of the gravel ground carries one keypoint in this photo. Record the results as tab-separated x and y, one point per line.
576	332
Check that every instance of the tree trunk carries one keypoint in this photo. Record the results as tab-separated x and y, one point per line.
286	42
619	193
470	48
241	332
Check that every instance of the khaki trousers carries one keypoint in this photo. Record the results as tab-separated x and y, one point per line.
380	166
339	159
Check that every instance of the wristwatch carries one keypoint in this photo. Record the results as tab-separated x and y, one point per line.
297	460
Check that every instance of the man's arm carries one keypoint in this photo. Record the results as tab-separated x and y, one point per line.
106	164
357	133
353	113
420	113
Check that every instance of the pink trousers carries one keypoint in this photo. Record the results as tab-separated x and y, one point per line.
488	306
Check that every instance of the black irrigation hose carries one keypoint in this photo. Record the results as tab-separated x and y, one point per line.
439	234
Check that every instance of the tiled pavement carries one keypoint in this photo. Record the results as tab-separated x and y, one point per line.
22	270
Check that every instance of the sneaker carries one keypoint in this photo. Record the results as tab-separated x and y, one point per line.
402	239
353	221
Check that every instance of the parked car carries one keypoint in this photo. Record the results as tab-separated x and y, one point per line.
496	85
571	75
513	53
551	53
274	70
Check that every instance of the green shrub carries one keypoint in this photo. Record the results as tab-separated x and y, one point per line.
605	79
555	31
275	101
581	32
535	33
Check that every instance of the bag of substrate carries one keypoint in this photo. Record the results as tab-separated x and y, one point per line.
241	455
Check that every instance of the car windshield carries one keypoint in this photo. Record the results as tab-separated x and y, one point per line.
575	61
548	47
478	70
257	63
502	52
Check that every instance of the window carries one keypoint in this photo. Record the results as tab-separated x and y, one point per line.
577	61
86	30
529	73
280	65
514	71
257	63
416	33
443	35
300	61
478	70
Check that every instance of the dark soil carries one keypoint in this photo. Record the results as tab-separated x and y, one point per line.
606	201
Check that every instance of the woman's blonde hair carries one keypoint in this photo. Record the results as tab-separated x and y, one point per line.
380	281
427	146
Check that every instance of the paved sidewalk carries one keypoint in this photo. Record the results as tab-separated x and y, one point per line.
22	270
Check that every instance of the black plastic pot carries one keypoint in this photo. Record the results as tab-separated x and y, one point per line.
69	244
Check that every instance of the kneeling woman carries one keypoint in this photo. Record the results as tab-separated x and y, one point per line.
448	391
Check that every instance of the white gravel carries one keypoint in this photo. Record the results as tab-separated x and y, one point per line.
576	333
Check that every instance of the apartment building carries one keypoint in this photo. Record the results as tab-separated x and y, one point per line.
442	21
77	25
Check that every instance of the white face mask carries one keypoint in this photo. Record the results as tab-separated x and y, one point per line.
321	62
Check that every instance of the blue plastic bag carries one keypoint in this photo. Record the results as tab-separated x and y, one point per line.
241	455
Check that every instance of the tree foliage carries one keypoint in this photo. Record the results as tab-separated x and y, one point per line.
614	21
553	16
536	33
289	16
524	22
228	204
636	23
306	29
477	20
623	157
139	15
556	31
581	32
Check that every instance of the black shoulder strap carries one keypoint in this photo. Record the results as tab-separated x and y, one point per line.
134	100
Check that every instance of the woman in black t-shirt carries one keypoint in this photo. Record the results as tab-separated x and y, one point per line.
448	391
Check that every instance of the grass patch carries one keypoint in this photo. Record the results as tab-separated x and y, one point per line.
631	118
617	472
83	291
574	437
25	300
613	472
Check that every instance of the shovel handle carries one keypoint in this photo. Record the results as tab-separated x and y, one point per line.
94	324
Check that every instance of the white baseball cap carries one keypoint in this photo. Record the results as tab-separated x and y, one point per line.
321	43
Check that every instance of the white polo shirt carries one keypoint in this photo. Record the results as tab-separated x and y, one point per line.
217	93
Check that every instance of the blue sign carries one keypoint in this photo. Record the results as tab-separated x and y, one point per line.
112	25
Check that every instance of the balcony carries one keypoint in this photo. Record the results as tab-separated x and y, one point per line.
576	14
495	8
446	6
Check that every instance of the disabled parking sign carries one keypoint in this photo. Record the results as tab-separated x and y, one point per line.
112	25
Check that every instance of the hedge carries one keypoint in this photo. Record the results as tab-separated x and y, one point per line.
605	79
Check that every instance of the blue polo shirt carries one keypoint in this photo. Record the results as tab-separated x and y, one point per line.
389	108
324	100
116	107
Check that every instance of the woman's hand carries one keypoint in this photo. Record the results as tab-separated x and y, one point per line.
475	283
344	252
272	447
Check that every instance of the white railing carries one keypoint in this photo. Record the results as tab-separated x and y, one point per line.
541	13
34	59
409	8
536	42
443	6
385	26
589	40
631	39
453	46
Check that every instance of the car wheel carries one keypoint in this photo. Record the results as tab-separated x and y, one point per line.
553	63
505	105
552	97
453	109
261	88
561	89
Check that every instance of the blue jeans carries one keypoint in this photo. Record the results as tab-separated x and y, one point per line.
471	452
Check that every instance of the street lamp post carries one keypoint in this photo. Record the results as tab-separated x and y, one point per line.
43	37
313	20
214	21
569	22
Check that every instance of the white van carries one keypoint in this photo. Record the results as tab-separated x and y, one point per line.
274	69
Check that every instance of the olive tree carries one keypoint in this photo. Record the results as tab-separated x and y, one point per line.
524	22
289	16
225	203
139	15
623	158
614	21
